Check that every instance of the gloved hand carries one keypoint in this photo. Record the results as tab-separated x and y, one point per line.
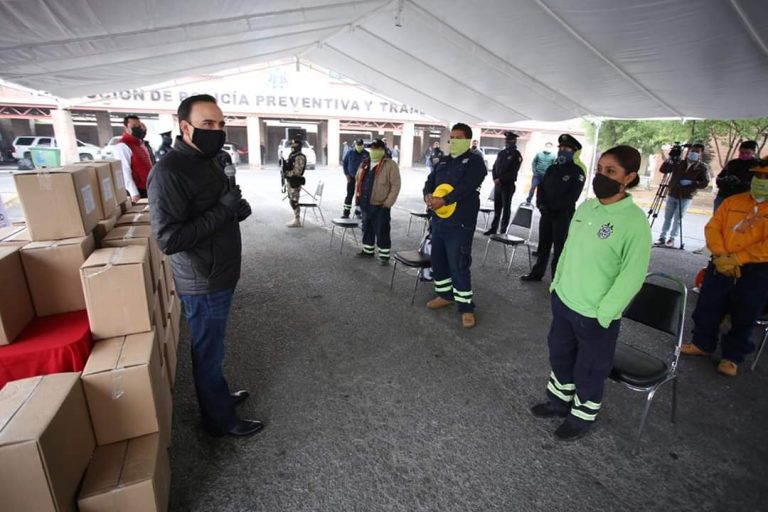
685	183
244	210
727	265
231	200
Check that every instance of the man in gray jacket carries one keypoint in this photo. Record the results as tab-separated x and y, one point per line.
195	219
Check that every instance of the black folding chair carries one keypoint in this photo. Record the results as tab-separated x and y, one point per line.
315	204
663	309
487	211
345	225
423	215
411	259
761	322
523	219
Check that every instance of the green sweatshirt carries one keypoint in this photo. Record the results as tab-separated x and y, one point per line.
605	259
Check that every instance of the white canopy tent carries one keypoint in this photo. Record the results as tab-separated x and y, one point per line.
495	60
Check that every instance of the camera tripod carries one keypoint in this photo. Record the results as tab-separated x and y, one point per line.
658	200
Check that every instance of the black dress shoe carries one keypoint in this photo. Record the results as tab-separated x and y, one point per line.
546	410
530	277
489	232
245	428
240	396
363	254
570	432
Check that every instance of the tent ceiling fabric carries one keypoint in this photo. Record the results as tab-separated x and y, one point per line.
496	60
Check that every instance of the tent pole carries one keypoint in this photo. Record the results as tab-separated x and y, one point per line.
598	122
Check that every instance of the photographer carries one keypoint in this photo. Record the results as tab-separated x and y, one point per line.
688	176
736	176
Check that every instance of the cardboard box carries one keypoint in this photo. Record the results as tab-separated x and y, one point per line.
170	353
104	226
53	273
16	236
59	203
133	219
118	181
118	291
125	387
16	309
103	174
46	442
143	200
170	286
125	206
129	475
174	319
126	236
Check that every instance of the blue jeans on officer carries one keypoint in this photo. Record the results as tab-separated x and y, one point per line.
207	318
744	299
451	261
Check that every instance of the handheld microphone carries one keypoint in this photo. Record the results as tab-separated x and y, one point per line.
230	170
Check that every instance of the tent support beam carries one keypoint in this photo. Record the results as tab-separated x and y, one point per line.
750	28
504	66
470	117
442	73
629	78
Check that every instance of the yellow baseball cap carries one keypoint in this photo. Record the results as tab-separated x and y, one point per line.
443	190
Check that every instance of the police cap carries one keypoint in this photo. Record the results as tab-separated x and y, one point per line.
567	140
510	136
359	142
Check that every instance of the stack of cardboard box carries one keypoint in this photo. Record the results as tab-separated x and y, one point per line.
78	258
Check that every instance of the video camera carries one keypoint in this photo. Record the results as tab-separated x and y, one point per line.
677	151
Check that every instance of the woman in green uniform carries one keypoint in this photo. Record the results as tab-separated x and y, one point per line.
602	267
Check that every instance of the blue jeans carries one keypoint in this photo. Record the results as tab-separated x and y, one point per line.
207	319
535	181
673	214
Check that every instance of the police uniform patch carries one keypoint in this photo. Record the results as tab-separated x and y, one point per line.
566	177
606	230
465	160
581	177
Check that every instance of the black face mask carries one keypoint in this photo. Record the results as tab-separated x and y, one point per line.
604	186
138	132
209	142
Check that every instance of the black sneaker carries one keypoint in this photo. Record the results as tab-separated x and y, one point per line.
530	277
345	215
567	431
384	262
363	254
546	410
489	232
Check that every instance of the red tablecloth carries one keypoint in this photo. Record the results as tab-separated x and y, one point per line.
50	344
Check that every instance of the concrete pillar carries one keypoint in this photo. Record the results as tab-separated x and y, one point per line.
253	126
64	131
406	146
322	142
334	142
103	127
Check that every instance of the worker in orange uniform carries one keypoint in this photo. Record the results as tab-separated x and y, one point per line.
736	280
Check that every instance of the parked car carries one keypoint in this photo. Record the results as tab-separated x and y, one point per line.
238	153
489	155
108	151
284	150
22	144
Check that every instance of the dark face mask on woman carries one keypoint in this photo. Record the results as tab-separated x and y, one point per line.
209	142
604	187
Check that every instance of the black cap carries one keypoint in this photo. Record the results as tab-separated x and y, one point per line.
698	145
378	143
358	141
510	136
748	145
567	140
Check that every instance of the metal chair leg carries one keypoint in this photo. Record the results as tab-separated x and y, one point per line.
392	280
505	253
408	231
485	256
343	236
415	287
424	227
304	217
354	235
643	418
530	265
511	259
760	350
333	228
674	400
321	215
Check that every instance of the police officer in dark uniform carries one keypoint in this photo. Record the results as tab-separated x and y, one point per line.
504	172
556	200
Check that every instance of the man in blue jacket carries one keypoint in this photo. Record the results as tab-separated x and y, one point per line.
452	193
352	161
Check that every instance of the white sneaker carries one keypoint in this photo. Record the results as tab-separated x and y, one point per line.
295	223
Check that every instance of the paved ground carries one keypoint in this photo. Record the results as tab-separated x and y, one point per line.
374	405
